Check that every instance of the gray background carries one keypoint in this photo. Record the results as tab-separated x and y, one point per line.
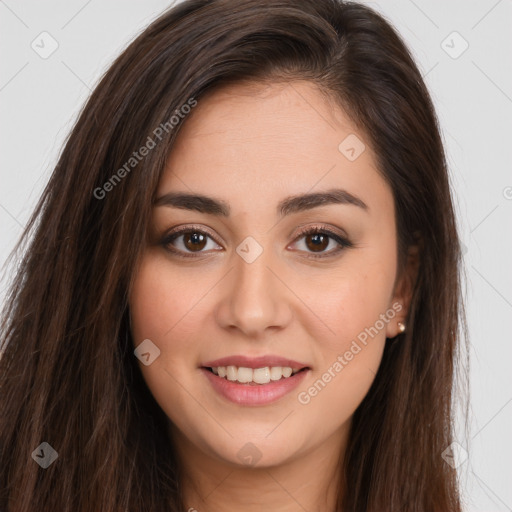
472	91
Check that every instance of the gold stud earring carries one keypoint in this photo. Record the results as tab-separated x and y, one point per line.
401	327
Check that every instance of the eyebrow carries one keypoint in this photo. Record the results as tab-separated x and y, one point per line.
289	205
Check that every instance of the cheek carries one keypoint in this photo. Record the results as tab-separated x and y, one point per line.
162	303
356	307
352	304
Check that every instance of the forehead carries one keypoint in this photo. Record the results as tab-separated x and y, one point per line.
260	142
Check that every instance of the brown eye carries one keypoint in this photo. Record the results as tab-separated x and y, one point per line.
194	241
317	242
188	242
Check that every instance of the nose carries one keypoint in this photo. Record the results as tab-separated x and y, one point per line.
255	299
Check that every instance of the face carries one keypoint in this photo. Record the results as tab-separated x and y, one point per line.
260	274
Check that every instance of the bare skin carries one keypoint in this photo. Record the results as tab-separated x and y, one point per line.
251	147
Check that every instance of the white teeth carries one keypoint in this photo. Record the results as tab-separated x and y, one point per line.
244	375
287	371
276	372
258	375
232	372
261	375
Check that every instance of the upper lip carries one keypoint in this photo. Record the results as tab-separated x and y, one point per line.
255	362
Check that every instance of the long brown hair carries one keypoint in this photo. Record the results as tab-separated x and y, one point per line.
68	375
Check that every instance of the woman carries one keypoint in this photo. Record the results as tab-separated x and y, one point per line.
242	287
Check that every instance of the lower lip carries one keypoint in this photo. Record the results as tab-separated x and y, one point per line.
256	394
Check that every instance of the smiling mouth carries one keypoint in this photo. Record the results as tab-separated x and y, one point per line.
256	376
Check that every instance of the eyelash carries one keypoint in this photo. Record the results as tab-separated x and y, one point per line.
342	241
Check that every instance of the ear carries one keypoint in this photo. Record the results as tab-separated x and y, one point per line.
404	288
